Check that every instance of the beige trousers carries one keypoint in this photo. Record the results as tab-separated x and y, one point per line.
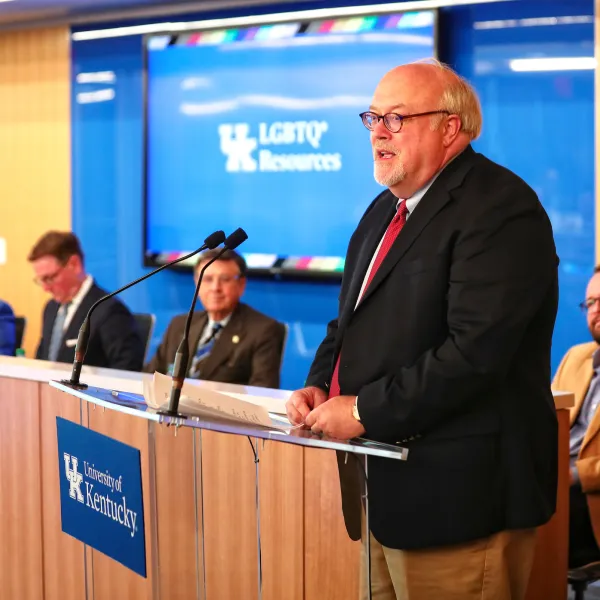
492	568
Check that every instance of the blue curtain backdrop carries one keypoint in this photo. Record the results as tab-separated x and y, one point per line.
540	124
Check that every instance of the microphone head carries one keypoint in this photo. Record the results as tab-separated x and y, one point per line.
214	239
235	239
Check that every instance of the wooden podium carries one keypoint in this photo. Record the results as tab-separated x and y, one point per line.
197	550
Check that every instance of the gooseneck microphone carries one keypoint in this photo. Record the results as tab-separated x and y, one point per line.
212	241
182	357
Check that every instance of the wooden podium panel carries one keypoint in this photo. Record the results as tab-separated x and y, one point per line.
229	517
21	563
548	576
62	581
282	520
178	527
306	552
111	579
230	546
331	557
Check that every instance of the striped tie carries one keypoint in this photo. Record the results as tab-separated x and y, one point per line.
57	332
204	350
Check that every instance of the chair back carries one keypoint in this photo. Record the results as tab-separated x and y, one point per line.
145	323
20	324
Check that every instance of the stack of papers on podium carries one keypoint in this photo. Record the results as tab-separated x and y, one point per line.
201	402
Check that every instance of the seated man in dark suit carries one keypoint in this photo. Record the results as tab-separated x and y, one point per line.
7	329
114	341
229	341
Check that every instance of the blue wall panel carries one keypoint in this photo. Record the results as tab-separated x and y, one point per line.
538	124
108	209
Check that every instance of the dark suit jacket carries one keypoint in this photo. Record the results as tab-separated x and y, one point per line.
449	354
7	329
254	359
114	338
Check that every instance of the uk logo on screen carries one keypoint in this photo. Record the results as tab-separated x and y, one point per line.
101	493
238	146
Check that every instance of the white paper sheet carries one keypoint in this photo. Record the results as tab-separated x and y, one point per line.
198	401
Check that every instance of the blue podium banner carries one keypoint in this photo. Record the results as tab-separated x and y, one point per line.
101	493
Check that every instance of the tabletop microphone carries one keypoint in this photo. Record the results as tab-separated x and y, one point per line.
212	241
182	357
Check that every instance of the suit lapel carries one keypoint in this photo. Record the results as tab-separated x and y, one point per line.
224	344
72	330
432	202
372	239
580	390
197	326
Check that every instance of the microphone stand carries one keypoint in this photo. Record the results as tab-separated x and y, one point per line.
212	241
182	357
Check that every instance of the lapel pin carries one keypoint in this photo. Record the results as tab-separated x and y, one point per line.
235	339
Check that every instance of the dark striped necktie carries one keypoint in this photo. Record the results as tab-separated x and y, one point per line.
57	331
203	350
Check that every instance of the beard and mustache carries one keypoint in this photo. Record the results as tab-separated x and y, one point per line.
391	174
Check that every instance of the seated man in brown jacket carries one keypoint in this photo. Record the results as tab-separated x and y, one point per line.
229	341
579	372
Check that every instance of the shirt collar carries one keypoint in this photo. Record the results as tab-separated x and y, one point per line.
411	203
83	290
222	322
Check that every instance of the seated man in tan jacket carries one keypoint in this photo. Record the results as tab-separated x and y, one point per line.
579	372
229	341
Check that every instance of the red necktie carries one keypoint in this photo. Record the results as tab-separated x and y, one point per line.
391	233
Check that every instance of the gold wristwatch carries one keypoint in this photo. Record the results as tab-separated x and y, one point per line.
355	410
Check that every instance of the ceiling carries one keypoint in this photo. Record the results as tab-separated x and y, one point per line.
16	13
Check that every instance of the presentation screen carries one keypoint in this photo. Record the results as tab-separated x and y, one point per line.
258	128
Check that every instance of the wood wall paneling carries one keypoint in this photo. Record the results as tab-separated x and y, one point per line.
35	158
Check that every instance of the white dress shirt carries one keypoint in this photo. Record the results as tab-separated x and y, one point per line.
411	204
77	299
210	325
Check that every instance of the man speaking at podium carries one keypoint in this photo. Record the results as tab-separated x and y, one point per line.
442	345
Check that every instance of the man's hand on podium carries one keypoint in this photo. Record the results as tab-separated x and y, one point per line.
335	418
301	402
